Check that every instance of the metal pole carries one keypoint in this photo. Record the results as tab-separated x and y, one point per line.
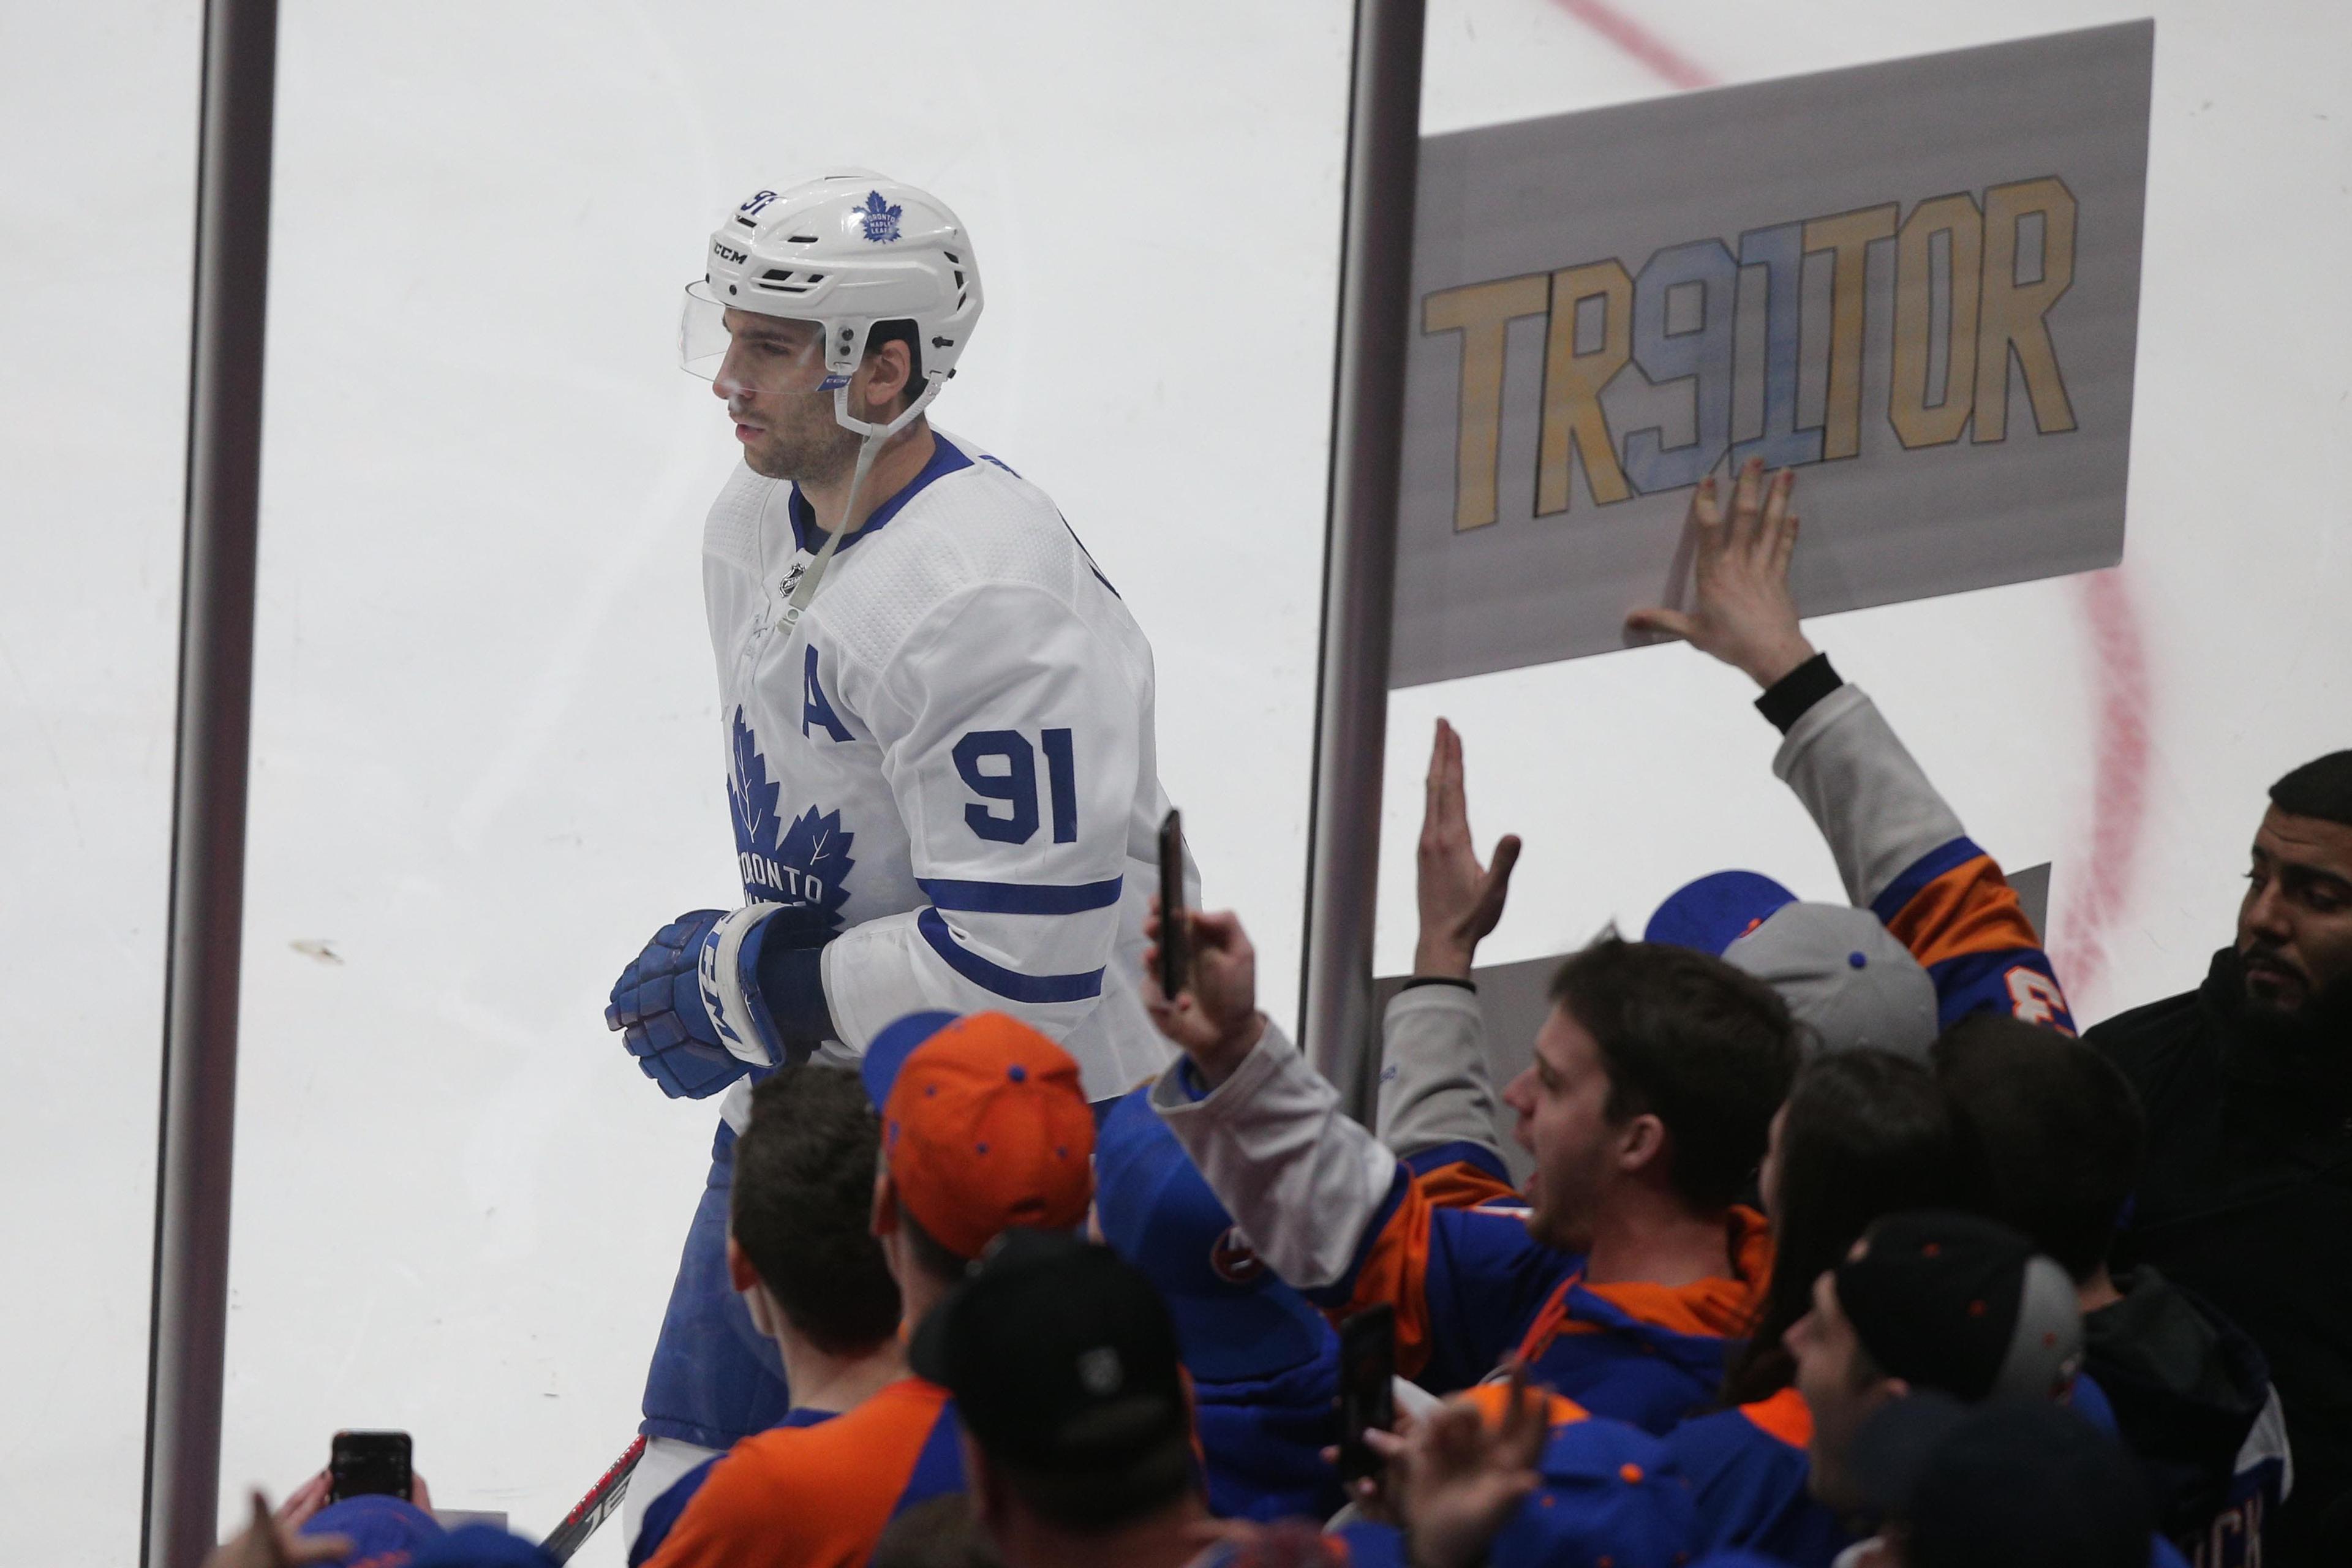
1359	551
189	1322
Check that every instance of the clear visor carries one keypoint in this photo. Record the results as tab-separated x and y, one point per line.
771	353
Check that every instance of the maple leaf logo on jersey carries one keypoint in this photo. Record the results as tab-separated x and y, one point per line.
880	218
804	865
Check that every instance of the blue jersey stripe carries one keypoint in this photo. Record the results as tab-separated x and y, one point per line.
1010	984
1918	874
939	1469
1020	898
1462	1152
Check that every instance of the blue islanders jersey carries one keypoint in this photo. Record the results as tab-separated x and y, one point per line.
1747	1470
947	767
1340	1219
1904	856
1262	1440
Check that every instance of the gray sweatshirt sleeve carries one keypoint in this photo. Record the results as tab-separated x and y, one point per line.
1866	792
1434	1085
1301	1180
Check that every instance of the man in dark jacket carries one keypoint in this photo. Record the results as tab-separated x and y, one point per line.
2064	1144
2247	1083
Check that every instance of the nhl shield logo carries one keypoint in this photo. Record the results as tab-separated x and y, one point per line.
1232	1261
880	218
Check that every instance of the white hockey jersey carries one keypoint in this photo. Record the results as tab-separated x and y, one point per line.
949	762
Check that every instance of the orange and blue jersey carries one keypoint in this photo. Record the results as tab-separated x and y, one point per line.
1452	1252
1332	1211
1961	919
818	1494
1748	1467
1904	855
661	1514
1605	1493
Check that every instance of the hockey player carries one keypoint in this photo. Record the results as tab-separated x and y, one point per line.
937	718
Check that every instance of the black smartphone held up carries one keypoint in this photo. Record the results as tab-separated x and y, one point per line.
1175	931
1367	1393
368	1464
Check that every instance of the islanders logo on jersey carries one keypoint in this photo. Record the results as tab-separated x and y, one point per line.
803	864
880	218
1233	1260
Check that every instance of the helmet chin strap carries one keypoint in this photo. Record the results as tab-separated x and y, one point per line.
867	451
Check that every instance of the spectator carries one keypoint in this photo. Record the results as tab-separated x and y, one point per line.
1902	853
1864	1133
2021	1484
941	1533
2062	1143
1633	1267
1436	1103
367	1532
1265	1364
984	1128
1063	1365
2247	1085
802	1253
1927	1300
1498	1476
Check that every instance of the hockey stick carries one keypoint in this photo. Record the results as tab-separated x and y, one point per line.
603	1500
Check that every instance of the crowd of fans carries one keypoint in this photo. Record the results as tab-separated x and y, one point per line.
1838	1246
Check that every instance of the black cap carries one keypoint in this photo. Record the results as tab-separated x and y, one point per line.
2023	1483
1960	1303
1062	1358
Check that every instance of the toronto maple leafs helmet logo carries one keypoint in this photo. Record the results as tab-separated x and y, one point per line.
880	218
804	865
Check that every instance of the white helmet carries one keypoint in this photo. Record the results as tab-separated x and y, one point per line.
844	250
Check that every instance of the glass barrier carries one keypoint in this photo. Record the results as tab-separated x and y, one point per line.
98	115
488	756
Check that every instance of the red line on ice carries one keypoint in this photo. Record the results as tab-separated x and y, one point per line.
1665	61
2097	888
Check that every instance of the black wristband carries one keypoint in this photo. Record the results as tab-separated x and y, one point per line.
1788	699
1436	979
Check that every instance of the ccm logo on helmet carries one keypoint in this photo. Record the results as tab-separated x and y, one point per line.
737	257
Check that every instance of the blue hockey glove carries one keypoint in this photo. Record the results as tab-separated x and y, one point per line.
658	1006
716	995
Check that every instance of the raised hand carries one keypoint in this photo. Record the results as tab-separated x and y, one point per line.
1215	1018
269	1543
1460	899
1743	613
1455	1480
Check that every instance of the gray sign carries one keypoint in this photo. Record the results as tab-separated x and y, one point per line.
1915	282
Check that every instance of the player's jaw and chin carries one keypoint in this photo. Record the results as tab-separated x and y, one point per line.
793	436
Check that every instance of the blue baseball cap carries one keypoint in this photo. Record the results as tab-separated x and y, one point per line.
890	1049
1234	1320
1844	975
378	1526
481	1546
1716	910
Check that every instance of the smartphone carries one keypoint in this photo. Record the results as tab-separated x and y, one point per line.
368	1464
1367	1391
1175	931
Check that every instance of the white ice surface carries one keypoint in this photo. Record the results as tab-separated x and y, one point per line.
486	757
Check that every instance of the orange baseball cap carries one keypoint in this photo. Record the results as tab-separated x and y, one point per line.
984	1128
